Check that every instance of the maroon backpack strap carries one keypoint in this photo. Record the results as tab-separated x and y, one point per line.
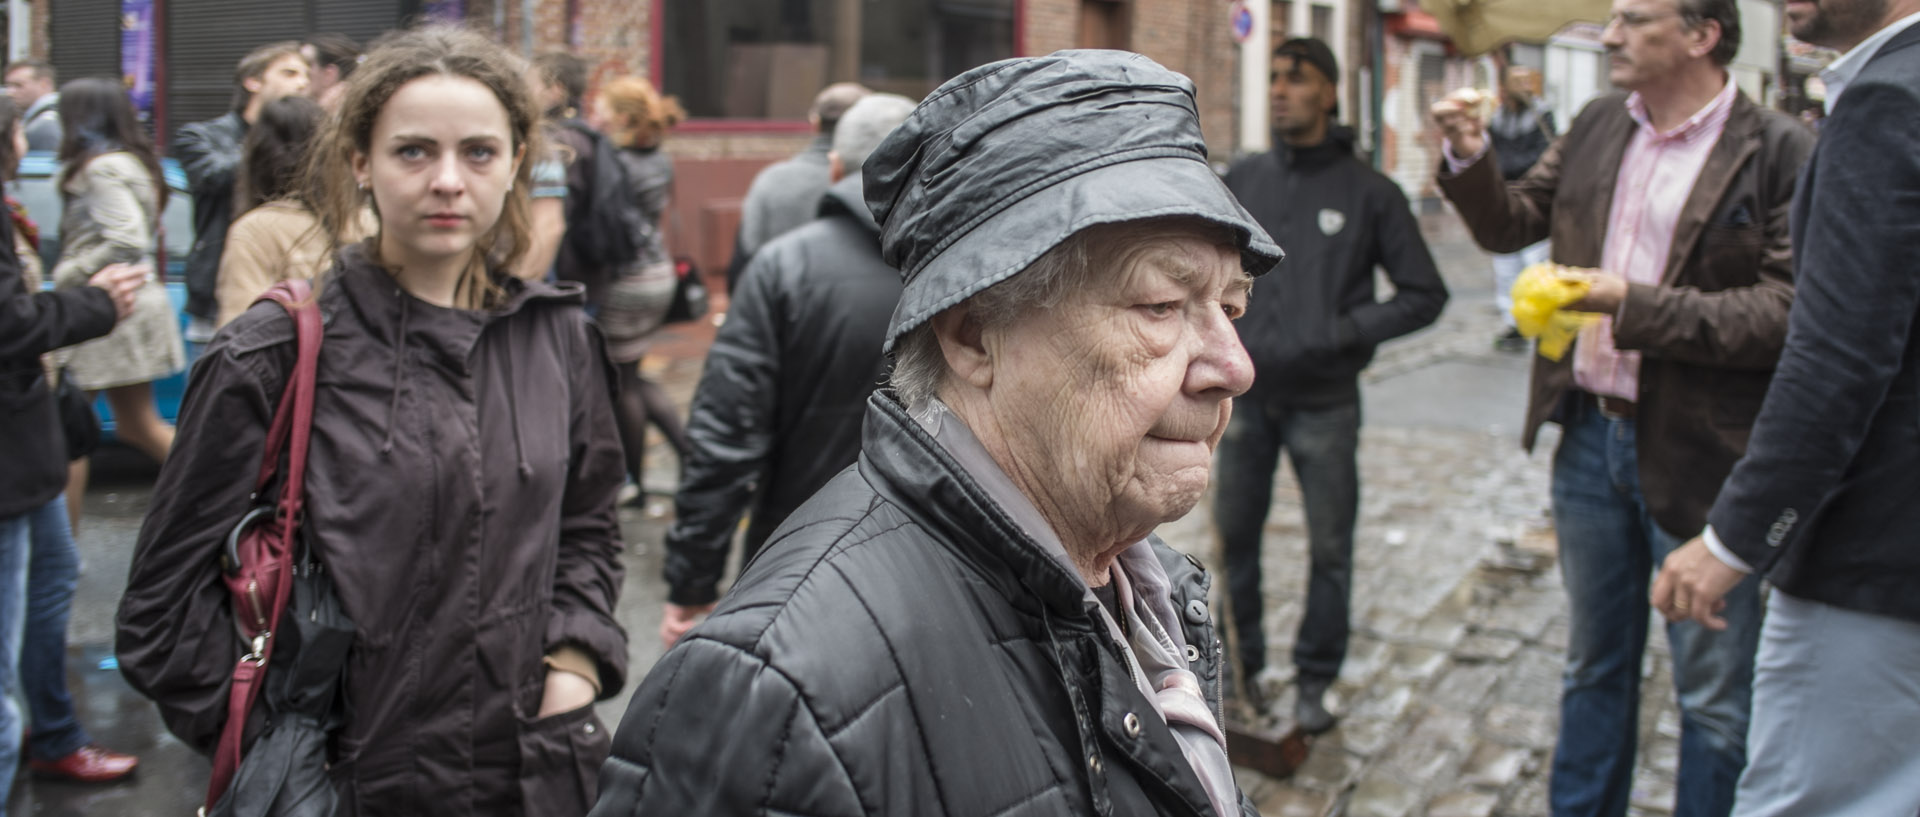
291	429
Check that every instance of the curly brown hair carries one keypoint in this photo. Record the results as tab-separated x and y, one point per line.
394	61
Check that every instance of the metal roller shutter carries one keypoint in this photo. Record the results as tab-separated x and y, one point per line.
85	37
207	38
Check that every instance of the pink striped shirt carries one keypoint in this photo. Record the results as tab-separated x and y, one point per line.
1656	176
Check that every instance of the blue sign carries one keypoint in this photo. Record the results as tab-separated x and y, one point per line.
1242	18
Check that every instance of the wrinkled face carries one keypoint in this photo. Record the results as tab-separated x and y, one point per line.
1839	24
1647	41
1301	98
439	165
285	77
27	86
1111	403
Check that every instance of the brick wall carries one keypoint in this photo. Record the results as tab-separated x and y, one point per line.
41	47
1189	36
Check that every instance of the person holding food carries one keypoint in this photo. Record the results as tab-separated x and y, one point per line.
1676	191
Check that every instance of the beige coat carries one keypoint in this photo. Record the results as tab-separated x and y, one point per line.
275	242
111	210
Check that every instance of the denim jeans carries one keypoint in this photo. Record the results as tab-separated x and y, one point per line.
16	535
52	575
1609	549
1322	444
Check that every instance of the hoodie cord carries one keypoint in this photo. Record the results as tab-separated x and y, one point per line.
399	358
513	407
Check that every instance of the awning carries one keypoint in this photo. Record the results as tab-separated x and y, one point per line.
1479	26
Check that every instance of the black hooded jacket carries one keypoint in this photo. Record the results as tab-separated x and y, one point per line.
779	408
1312	325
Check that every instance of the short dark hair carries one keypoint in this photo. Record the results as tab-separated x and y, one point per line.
336	50
1696	13
275	151
255	64
41	69
565	70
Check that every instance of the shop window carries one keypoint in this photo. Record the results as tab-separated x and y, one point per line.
765	59
1322	25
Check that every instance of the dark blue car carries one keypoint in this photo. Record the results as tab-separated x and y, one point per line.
38	190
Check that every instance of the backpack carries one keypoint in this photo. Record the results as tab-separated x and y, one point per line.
606	228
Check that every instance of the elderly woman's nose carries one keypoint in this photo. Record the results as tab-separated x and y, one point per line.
1220	362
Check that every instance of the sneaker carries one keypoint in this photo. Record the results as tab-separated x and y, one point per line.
1510	341
1310	708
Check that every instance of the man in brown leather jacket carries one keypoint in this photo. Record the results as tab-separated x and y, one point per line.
1677	193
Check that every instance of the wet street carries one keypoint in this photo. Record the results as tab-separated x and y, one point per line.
1450	692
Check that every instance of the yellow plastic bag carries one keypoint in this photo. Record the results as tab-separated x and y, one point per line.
1540	297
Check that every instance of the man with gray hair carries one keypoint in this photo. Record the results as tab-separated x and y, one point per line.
779	409
786	194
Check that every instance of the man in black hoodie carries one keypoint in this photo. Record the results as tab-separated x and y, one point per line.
1310	330
779	409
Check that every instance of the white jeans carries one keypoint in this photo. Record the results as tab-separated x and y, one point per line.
1506	269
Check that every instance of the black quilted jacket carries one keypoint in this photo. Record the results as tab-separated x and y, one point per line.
901	648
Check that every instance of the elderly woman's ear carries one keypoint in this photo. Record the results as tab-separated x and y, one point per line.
963	342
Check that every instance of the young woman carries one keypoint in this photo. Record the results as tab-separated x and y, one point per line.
113	194
462	475
636	118
277	235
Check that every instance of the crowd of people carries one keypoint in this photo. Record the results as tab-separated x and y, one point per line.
979	346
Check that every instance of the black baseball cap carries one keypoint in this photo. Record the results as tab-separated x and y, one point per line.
1312	52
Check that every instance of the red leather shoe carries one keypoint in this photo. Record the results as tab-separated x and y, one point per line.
89	764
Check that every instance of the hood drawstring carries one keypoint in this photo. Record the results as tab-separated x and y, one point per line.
399	358
513	406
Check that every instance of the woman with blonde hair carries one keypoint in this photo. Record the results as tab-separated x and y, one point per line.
636	118
462	474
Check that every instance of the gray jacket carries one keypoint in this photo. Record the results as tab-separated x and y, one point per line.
42	124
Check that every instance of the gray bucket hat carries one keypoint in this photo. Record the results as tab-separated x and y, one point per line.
1005	161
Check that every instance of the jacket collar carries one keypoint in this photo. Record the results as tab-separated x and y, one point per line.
402	319
922	478
1738	142
846	197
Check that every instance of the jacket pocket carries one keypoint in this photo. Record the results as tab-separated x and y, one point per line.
560	757
1731	256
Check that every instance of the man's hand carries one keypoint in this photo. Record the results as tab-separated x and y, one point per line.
1693	584
565	692
1462	122
1605	294
678	620
122	282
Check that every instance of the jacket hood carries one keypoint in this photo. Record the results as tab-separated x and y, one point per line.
847	197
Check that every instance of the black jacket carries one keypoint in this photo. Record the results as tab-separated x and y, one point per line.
1520	138
1312	326
903	648
460	490
33	453
779	408
1827	498
209	153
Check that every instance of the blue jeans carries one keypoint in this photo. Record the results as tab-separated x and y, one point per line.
1609	548
16	537
52	575
1322	443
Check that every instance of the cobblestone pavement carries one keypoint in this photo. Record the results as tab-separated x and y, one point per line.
1451	688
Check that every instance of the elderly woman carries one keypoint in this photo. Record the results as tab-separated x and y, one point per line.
976	619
